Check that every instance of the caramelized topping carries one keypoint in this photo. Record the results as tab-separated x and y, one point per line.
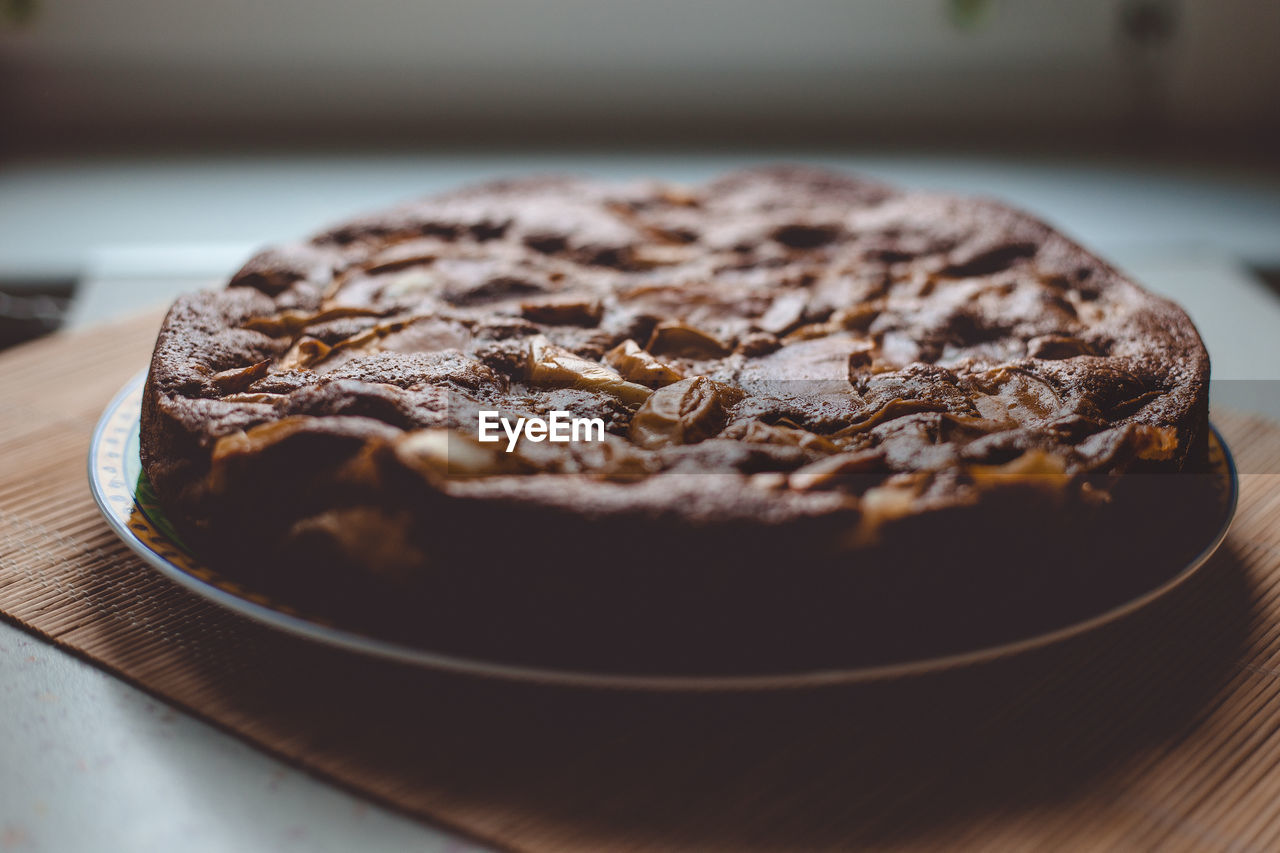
679	339
563	311
553	366
687	412
636	365
238	379
443	453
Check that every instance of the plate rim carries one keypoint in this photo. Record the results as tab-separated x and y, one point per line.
300	626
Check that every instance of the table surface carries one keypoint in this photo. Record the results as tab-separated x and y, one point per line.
87	762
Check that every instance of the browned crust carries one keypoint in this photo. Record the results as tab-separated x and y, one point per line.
872	358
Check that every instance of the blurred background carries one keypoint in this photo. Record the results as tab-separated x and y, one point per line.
83	74
149	145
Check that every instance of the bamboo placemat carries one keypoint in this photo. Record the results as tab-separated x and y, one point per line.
1162	731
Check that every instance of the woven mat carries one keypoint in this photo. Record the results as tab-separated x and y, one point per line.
1161	731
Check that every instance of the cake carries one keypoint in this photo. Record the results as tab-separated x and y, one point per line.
815	400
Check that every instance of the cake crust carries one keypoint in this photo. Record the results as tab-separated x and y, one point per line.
792	365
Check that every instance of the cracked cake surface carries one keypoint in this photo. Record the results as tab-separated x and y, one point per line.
789	362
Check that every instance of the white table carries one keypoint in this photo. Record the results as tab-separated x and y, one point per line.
87	762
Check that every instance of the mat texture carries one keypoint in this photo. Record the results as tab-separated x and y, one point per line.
1162	731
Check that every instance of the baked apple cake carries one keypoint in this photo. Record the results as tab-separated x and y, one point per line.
817	409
